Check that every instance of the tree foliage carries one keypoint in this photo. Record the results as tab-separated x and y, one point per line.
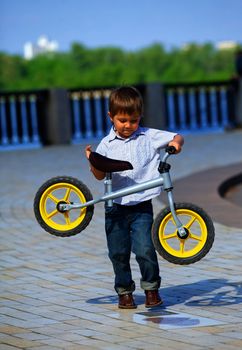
110	66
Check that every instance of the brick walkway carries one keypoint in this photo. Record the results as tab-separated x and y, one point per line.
57	293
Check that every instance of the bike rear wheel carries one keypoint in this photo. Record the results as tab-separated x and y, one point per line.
59	190
183	250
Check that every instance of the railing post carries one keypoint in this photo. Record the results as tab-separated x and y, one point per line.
98	113
4	140
106	95
13	116
56	123
238	103
86	95
154	105
25	135
34	120
77	134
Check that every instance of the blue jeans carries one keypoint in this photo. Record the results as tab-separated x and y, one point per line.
128	229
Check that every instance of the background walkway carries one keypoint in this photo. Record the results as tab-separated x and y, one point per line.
57	293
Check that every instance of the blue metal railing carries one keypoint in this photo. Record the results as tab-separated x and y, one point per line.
191	107
89	110
199	107
18	121
25	117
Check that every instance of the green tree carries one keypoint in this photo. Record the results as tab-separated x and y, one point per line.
110	66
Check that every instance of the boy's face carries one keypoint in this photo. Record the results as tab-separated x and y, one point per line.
125	124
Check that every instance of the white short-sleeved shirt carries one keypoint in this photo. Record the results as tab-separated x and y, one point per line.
142	150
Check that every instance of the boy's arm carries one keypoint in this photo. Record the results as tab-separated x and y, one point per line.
177	142
99	175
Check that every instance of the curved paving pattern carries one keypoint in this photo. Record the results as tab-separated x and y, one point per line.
202	188
57	293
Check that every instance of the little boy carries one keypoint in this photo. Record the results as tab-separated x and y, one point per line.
128	223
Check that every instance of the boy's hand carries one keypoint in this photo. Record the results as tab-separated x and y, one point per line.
88	151
177	142
99	175
176	145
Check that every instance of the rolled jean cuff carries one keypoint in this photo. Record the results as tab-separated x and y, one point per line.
125	290
150	285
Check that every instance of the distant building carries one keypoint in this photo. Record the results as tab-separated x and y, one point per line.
43	45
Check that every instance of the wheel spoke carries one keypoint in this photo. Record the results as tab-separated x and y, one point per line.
53	213
53	198
173	221
189	224
67	195
182	246
172	235
195	237
67	218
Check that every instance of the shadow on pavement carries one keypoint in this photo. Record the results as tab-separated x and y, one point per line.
209	292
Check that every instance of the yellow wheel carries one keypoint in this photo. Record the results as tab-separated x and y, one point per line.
56	191
187	249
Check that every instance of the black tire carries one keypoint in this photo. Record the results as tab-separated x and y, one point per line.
45	206
183	251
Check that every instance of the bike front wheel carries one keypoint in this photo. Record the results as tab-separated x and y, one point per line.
194	245
62	190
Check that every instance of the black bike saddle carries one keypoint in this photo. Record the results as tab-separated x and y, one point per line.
108	165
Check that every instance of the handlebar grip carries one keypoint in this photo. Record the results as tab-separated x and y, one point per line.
170	149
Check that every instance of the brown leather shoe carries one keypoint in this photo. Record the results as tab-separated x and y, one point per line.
152	298
126	301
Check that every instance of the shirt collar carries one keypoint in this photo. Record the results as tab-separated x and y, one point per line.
112	134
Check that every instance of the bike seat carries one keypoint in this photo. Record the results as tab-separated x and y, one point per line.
108	165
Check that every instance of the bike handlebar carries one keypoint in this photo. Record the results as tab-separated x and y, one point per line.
170	149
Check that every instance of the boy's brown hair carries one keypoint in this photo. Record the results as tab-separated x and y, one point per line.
127	100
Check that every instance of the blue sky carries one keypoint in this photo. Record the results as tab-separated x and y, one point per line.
129	24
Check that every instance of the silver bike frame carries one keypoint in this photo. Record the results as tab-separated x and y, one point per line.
163	180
